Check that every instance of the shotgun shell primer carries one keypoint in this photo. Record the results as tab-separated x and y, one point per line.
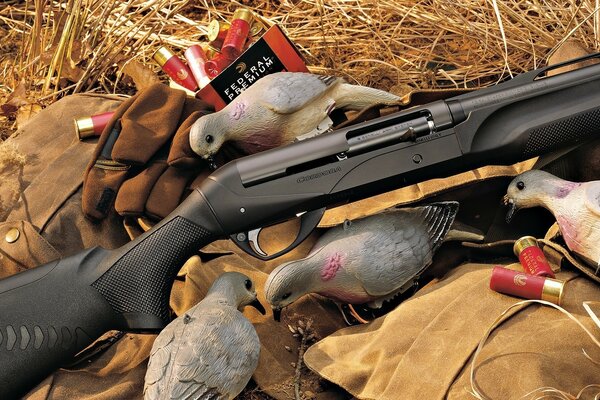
217	31
527	286
532	257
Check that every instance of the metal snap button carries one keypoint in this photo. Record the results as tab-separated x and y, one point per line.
12	235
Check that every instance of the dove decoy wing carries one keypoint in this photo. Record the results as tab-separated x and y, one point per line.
580	226
289	92
400	245
183	367
592	197
160	356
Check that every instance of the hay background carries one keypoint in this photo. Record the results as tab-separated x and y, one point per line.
49	48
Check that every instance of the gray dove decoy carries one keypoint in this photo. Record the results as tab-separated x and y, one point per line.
211	351
576	207
368	260
278	108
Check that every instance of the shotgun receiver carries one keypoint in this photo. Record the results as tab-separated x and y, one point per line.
49	313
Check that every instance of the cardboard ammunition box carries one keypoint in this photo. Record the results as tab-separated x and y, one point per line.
273	52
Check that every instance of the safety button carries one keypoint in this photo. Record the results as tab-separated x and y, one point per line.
12	235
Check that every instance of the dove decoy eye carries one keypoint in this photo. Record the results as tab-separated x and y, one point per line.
520	185
208	138
248	284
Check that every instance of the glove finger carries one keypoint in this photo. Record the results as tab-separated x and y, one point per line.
148	124
125	105
170	190
134	192
103	177
181	154
102	182
192	105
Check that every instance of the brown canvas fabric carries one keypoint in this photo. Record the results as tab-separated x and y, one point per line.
46	214
423	348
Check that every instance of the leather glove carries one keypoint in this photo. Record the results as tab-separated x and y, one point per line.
143	163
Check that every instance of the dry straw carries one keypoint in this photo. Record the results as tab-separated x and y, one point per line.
81	45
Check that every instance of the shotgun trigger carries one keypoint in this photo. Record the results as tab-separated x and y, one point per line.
248	241
253	239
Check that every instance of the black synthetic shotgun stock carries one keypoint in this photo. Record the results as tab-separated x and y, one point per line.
49	313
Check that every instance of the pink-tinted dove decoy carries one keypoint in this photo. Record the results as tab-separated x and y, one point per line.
576	207
277	109
368	260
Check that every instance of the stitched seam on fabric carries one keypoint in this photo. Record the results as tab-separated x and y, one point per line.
111	165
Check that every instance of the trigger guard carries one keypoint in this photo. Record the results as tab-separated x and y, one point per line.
248	241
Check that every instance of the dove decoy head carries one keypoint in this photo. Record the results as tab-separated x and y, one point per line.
529	189
207	135
241	290
286	284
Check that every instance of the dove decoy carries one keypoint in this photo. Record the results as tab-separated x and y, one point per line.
278	108
368	260
575	206
211	351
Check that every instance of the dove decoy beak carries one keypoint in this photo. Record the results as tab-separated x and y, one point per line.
512	208
258	305
277	314
211	163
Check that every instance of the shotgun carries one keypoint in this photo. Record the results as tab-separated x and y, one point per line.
51	312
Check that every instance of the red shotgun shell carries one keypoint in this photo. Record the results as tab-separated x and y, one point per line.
196	58
216	33
236	37
532	257
175	68
217	64
528	286
92	126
